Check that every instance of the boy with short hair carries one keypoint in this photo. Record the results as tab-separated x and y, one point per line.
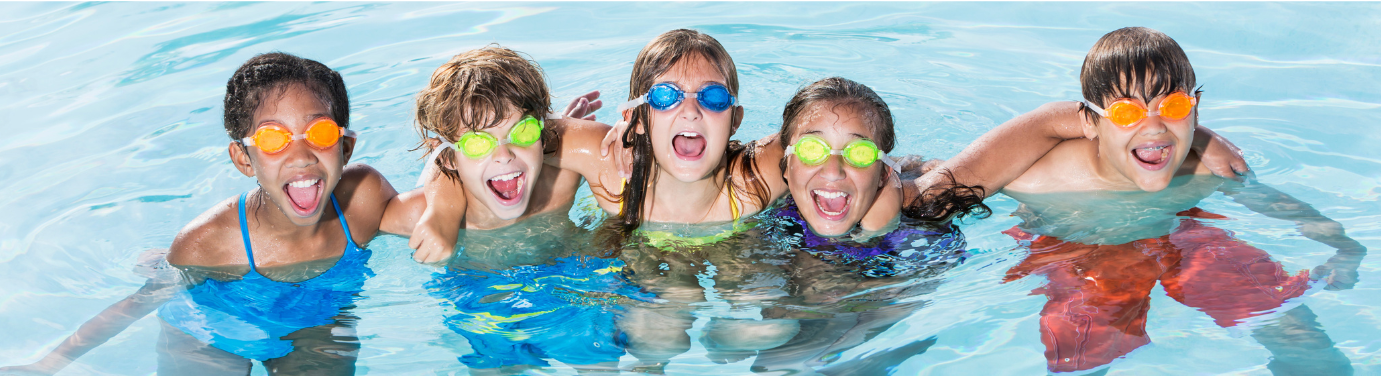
1103	205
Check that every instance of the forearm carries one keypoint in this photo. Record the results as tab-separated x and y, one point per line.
105	325
1004	153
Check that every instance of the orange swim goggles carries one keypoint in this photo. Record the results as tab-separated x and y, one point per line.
1125	113
274	138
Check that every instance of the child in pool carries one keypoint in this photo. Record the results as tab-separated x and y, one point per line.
268	275
513	207
1134	169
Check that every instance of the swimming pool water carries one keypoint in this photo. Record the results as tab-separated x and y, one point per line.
113	141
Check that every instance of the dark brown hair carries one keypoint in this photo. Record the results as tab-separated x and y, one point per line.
254	81
474	91
1134	62
840	92
655	59
938	203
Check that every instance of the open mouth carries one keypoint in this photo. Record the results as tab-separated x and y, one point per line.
832	205
508	188
689	146
304	195
1153	158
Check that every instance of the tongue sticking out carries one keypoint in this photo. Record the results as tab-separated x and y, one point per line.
1152	155
506	189
688	146
304	198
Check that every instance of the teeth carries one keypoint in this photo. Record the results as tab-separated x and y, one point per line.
688	134
507	177
303	183
830	212
1156	148
829	194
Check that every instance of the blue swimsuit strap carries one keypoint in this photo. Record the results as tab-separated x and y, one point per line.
244	232
349	240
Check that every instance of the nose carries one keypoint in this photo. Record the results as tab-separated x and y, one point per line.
502	154
833	169
690	110
298	155
1151	126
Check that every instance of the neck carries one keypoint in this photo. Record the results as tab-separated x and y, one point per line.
672	200
276	224
1107	175
479	217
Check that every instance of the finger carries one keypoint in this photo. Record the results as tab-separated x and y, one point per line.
591	117
592	96
577	108
594	104
1240	167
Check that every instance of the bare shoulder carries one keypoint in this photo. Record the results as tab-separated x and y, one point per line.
212	239
579	133
363	194
1064	168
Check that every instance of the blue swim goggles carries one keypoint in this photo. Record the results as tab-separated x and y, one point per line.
666	96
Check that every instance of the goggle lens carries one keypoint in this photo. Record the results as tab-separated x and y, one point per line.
665	96
323	133
861	153
273	138
1125	113
813	151
1176	106
476	145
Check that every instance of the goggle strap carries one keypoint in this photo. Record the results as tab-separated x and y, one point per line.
889	162
436	153
635	102
1096	109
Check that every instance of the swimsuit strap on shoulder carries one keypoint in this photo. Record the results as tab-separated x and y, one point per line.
733	202
244	232
349	240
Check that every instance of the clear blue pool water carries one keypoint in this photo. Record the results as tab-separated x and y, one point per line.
113	141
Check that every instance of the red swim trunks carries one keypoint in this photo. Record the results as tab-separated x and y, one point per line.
1099	294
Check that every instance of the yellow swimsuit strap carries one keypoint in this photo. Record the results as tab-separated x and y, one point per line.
733	202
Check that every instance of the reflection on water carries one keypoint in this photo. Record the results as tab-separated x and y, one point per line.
1099	290
541	291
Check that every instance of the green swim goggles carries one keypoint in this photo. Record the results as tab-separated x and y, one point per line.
861	153
476	145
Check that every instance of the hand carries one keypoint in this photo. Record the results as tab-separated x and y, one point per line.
584	106
434	241
623	157
1219	155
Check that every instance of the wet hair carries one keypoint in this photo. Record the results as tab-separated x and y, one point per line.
475	90
659	56
1134	62
838	92
938	203
266	75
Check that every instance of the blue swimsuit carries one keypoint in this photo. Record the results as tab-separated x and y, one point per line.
249	316
564	310
906	250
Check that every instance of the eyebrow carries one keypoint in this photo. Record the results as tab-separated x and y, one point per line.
855	134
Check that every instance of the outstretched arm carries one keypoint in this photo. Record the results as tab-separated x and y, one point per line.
1340	271
110	322
1006	152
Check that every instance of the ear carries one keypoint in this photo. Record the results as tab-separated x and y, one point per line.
240	159
347	148
738	120
1090	128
